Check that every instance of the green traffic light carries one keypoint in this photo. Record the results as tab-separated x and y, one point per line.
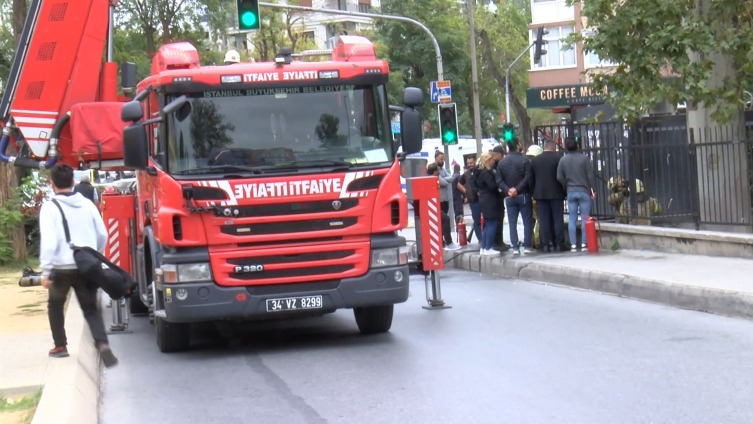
449	136
507	135
248	19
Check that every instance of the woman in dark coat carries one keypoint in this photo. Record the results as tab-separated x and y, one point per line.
490	201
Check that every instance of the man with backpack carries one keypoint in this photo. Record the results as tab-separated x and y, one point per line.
59	269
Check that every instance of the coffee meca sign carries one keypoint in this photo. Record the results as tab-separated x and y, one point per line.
564	95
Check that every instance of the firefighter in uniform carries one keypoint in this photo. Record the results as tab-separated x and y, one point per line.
232	57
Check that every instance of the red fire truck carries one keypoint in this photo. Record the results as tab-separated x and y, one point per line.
263	189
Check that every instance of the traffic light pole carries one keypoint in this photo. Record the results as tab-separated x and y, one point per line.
507	82
440	69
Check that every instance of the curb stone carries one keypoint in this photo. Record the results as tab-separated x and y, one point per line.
71	389
717	301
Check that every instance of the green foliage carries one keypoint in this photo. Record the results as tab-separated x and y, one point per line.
649	39
412	57
22	208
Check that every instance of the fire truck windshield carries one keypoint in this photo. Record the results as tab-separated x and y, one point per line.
278	128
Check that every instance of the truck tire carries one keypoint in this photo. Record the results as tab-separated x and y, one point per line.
171	336
137	306
374	319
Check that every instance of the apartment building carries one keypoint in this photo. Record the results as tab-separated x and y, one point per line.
560	81
320	27
324	28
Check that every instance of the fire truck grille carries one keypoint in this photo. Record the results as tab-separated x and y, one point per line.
296	272
287	208
289	227
285	259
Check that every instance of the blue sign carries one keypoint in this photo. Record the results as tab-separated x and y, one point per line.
441	91
395	127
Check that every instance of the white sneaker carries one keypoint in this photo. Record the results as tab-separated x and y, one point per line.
482	252
527	251
516	251
491	252
452	246
583	246
573	248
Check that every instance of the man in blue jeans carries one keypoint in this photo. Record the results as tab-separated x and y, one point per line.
513	174
576	174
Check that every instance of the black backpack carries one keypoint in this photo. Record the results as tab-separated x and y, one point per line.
96	268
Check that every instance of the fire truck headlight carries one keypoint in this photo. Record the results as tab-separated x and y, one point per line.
389	257
187	273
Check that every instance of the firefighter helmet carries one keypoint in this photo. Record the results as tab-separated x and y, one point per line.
232	56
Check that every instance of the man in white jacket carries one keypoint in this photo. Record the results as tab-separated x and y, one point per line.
59	271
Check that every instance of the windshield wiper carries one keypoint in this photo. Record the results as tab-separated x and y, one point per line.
205	169
312	164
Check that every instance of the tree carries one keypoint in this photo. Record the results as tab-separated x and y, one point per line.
503	35
411	55
280	29
693	41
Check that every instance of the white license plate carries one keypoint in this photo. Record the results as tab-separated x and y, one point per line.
294	303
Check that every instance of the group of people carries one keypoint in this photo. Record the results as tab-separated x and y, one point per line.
532	187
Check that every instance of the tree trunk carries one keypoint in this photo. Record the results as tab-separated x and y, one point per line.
8	177
7	188
19	16
723	181
521	114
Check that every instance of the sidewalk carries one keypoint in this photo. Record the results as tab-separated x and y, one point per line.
70	385
718	285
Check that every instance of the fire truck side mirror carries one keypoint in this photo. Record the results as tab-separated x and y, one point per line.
410	120
135	146
413	97
131	111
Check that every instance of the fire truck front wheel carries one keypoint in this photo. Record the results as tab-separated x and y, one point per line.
374	319
172	336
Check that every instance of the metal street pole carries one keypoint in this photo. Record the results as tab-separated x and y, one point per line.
474	78
507	82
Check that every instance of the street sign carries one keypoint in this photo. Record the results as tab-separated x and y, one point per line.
441	91
395	127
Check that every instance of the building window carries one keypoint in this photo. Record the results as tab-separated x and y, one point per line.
544	11
343	4
557	55
593	60
364	8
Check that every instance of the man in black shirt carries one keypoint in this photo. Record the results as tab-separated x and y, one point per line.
549	195
512	179
87	190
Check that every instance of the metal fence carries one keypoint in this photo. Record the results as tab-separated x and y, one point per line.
658	170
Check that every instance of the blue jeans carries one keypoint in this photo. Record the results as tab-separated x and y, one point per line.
520	204
490	230
577	200
476	214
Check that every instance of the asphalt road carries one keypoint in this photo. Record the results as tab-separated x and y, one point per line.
507	352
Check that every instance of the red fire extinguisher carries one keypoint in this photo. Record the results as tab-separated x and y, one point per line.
592	243
482	226
462	235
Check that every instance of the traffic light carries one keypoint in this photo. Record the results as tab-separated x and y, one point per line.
508	132
248	15
448	123
538	48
